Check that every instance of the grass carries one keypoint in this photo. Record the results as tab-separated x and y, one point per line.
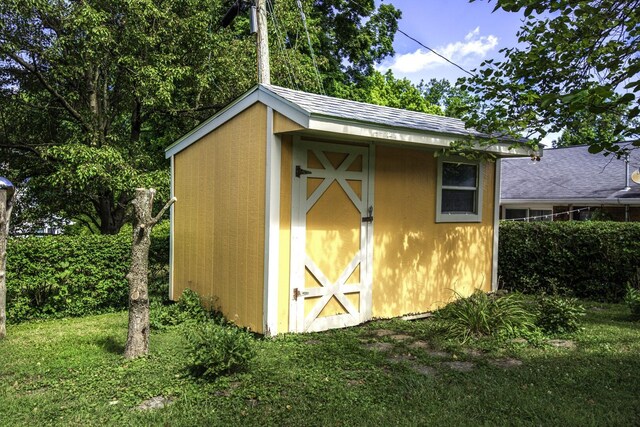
70	372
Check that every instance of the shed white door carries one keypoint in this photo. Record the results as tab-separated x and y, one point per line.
331	237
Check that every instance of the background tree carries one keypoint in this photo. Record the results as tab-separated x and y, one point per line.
385	89
573	56
92	92
454	101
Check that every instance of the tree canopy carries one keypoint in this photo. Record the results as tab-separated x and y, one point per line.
574	57
92	92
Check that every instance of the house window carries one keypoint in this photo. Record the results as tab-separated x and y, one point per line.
459	196
526	214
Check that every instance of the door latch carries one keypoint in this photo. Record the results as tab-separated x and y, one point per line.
300	171
370	217
297	293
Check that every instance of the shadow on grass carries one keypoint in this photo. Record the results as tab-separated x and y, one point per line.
111	345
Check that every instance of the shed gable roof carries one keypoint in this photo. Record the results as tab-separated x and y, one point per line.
340	116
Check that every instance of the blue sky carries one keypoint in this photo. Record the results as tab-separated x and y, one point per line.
467	33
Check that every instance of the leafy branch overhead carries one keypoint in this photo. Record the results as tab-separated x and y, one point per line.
573	57
92	92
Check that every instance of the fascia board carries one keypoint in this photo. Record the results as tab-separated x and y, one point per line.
402	136
286	108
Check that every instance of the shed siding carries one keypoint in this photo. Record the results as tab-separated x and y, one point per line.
219	217
418	263
283	124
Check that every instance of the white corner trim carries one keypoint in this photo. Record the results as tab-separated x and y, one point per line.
171	228
496	226
272	228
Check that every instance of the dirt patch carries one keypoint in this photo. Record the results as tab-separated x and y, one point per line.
157	402
437	353
379	346
402	358
383	332
473	352
428	371
312	342
460	366
354	383
569	344
400	337
506	363
420	344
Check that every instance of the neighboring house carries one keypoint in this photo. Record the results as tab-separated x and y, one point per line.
570	184
298	212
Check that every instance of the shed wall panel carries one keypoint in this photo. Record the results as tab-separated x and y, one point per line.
284	124
219	217
418	264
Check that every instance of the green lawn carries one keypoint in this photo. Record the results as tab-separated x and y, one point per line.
70	372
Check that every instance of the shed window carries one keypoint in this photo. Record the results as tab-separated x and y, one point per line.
459	191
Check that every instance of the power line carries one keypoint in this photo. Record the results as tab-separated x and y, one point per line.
281	45
436	53
313	56
425	46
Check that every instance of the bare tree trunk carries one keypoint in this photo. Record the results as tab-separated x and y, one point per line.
5	214
138	338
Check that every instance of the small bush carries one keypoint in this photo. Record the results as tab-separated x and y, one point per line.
558	315
188	308
482	315
632	299
218	349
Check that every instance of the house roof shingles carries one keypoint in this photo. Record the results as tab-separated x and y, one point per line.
570	173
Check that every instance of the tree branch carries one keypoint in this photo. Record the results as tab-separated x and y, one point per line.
155	219
33	69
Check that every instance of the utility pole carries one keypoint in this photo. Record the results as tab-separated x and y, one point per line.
262	45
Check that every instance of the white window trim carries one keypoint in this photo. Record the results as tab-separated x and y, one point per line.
457	217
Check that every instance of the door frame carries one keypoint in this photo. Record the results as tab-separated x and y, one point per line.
298	233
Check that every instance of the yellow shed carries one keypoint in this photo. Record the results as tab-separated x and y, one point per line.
299	212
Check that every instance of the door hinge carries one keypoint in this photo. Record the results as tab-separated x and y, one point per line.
300	171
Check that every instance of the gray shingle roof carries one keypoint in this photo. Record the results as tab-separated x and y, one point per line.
359	111
567	173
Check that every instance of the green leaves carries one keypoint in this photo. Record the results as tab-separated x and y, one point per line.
574	60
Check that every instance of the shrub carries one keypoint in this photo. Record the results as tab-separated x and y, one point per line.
632	299
217	349
583	259
558	315
188	308
482	314
57	276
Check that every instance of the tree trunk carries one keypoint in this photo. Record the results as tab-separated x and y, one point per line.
5	213
111	213
138	338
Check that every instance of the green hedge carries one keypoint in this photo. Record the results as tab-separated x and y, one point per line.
587	259
57	276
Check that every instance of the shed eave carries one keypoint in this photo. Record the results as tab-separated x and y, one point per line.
404	136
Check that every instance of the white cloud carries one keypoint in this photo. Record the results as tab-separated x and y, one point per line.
473	48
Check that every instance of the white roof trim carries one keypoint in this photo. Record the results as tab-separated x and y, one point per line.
257	94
